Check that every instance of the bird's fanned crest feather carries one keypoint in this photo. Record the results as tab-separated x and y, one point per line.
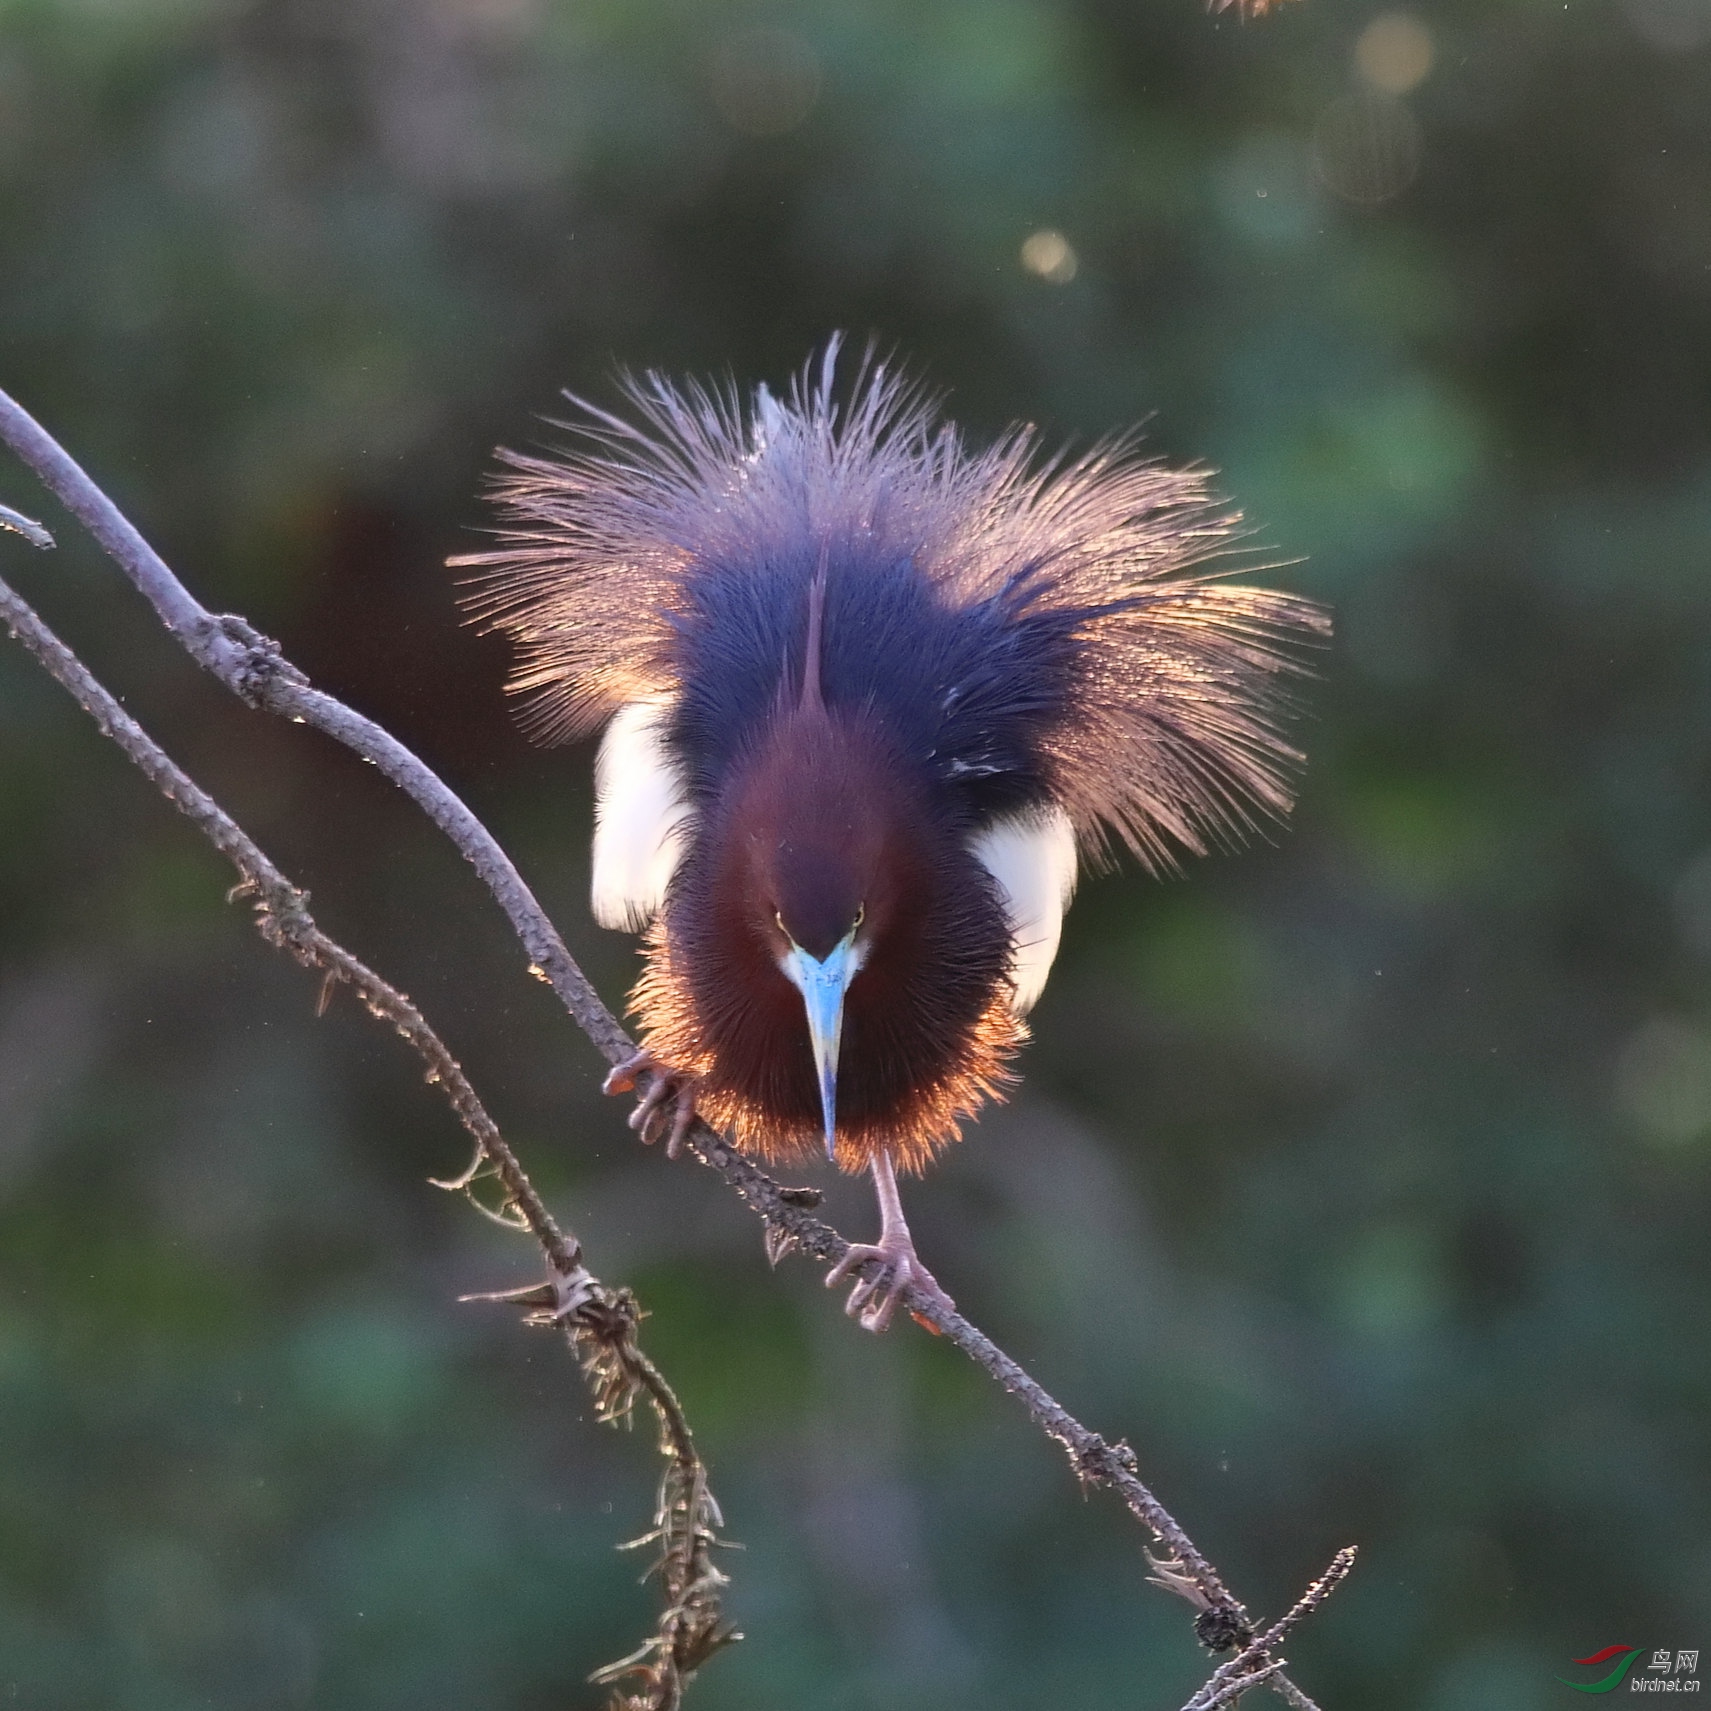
1150	690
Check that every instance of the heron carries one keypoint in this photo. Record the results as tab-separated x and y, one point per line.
870	696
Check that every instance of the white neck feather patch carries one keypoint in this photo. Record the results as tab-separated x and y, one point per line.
642	823
641	818
1032	857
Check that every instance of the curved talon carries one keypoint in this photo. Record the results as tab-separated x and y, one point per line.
874	1298
670	1087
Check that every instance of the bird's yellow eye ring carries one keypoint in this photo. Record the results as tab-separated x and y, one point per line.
861	915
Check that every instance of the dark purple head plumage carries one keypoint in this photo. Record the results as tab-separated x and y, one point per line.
996	635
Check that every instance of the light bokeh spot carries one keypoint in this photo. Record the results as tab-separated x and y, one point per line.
1049	255
1663	1080
1394	53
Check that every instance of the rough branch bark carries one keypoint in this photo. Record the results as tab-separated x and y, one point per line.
255	669
598	1322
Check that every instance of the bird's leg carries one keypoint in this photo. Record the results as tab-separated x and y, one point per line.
670	1087
875	1296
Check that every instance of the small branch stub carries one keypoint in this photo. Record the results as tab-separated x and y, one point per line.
28	527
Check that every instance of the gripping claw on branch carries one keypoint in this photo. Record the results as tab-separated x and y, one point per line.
670	1088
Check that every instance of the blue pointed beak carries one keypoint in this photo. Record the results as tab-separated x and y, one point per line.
823	985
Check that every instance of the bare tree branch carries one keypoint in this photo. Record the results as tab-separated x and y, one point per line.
1257	1662
255	669
598	1322
28	527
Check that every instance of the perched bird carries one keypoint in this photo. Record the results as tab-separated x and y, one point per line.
868	694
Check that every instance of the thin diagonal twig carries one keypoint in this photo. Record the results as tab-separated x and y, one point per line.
598	1322
255	669
1258	1661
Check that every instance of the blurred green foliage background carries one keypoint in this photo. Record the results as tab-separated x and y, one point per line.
1361	1181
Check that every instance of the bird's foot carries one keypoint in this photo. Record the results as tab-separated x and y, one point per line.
875	1296
670	1096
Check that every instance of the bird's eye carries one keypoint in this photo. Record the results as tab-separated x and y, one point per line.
861	915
